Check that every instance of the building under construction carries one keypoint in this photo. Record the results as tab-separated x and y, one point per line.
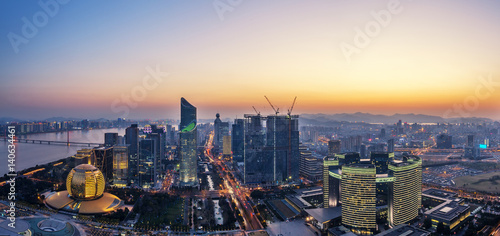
271	153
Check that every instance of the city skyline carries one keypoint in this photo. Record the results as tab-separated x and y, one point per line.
426	58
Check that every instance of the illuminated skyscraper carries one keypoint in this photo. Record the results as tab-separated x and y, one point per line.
359	197
120	166
331	185
379	188
188	140
405	191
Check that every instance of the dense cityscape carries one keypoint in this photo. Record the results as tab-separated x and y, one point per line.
261	175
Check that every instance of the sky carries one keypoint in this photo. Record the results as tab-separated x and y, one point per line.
136	59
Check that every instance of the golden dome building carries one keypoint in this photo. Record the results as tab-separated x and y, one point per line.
85	193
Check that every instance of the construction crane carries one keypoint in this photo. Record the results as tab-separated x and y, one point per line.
291	108
258	113
275	110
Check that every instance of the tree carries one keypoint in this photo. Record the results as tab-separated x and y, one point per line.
427	223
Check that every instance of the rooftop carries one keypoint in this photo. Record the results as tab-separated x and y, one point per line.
404	230
448	211
439	193
325	214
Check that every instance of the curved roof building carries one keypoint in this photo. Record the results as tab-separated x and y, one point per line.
85	193
380	187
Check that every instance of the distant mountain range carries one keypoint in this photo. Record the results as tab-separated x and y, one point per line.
323	119
326	119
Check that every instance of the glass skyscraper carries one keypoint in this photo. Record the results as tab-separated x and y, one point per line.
132	139
188	141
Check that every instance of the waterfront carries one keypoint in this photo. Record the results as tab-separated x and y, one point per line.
29	154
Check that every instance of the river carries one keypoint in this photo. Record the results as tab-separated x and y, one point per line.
29	154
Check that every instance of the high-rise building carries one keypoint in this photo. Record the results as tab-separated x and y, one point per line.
226	144
110	139
378	188
120	166
310	166
333	147
390	145
221	129
257	168
443	141
405	195
103	160
84	156
187	147
271	155
382	133
132	139
470	140
331	186
283	146
237	139
146	165
358	197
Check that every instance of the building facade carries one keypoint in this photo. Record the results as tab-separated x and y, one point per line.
377	188
188	144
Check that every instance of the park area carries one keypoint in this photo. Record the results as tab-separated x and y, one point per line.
489	182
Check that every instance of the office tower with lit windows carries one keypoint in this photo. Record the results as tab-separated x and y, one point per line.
120	166
310	164
188	145
132	139
84	156
226	145
405	194
331	185
378	188
358	195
